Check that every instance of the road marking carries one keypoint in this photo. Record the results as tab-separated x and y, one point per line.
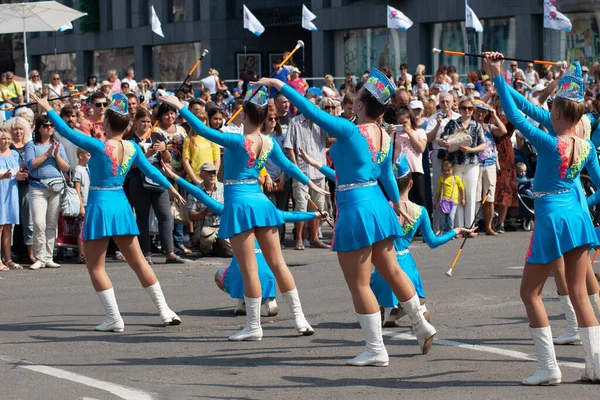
118	390
487	349
521	267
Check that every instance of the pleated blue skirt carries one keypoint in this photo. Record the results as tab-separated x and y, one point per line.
108	213
233	282
382	290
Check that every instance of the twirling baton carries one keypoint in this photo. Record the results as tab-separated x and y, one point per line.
595	255
54	99
147	134
462	54
239	110
318	210
189	76
449	272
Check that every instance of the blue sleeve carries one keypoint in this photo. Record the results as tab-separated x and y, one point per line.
148	169
339	128
328	172
227	140
429	236
202	196
29	155
387	178
296	216
536	113
593	169
286	165
90	144
540	139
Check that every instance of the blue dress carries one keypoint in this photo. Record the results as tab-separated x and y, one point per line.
108	212
232	280
364	215
246	205
562	223
9	192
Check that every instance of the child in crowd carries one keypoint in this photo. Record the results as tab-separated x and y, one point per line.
81	179
525	183
9	195
449	188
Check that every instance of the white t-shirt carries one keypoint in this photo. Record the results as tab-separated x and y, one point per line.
82	176
408	78
210	83
132	84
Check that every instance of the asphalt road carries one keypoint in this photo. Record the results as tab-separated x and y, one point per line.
48	349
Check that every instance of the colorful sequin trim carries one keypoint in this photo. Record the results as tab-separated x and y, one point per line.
251	155
109	150
376	156
129	152
530	249
578	164
264	153
562	146
410	226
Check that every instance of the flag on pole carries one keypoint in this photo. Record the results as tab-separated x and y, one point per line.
471	19
65	27
307	17
252	23
397	20
156	25
553	19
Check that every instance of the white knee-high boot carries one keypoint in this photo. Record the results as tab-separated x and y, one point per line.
252	330
167	316
547	372
375	352
113	321
422	329
292	299
591	350
571	335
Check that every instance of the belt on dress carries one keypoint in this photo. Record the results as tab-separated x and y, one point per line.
106	187
350	186
538	195
401	252
240	182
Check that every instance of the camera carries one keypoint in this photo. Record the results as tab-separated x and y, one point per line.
444	115
142	99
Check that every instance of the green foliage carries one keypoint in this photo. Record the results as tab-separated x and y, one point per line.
91	22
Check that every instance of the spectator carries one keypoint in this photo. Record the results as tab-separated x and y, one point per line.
198	151
46	161
69	114
91	84
93	126
304	134
129	79
56	88
349	85
142	195
456	85
420	87
206	223
219	103
280	73
236	125
298	83
329	89
125	89
81	181
282	104
114	81
106	89
466	158
420	70
9	195
28	115
512	70
187	92
404	74
440	82
401	98
531	75
12	91
488	87
133	103
449	187
21	134
34	85
211	82
348	107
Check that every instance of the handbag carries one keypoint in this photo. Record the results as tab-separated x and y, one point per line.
447	204
459	138
149	184
70	204
180	212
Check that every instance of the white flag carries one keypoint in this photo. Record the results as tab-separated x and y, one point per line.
397	20
471	20
553	19
251	23
156	25
65	27
307	17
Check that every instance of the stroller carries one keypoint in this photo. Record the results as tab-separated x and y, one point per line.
522	216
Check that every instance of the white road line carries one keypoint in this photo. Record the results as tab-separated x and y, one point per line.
118	390
487	349
521	267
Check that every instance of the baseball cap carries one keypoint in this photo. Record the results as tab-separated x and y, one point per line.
208	167
416	104
295	69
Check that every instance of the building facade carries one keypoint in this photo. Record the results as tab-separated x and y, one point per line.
352	36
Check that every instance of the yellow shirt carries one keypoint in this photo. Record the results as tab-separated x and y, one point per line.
13	90
450	184
263	172
204	151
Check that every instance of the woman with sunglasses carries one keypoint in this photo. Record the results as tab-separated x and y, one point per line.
34	85
108	213
366	224
466	158
531	75
46	161
91	84
56	87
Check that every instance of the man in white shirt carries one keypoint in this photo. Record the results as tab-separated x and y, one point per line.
129	75
435	127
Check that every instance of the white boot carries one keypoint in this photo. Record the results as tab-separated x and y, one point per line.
425	312
252	330
595	304
422	329
375	352
293	301
240	308
390	315
547	372
113	321
167	316
571	335
271	307
591	350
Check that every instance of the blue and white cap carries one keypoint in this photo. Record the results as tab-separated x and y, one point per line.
380	86
119	104
401	167
571	85
260	98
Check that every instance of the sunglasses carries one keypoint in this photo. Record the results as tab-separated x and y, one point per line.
101	105
329	108
467	108
47	125
272	119
35	76
513	65
56	79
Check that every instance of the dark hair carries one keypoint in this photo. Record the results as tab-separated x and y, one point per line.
570	109
116	121
67	110
142	113
310	95
237	104
195	102
390	116
131	96
164	109
97	95
123	84
373	108
447	163
256	114
273	110
89	78
41	120
348	99
404	182
402	111
403	65
212	111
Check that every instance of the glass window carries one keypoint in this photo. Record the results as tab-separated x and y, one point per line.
177	10
128	14
360	49
143	12
119	59
174	61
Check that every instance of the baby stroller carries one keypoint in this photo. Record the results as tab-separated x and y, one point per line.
526	207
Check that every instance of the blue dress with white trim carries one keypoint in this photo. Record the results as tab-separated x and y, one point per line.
108	212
